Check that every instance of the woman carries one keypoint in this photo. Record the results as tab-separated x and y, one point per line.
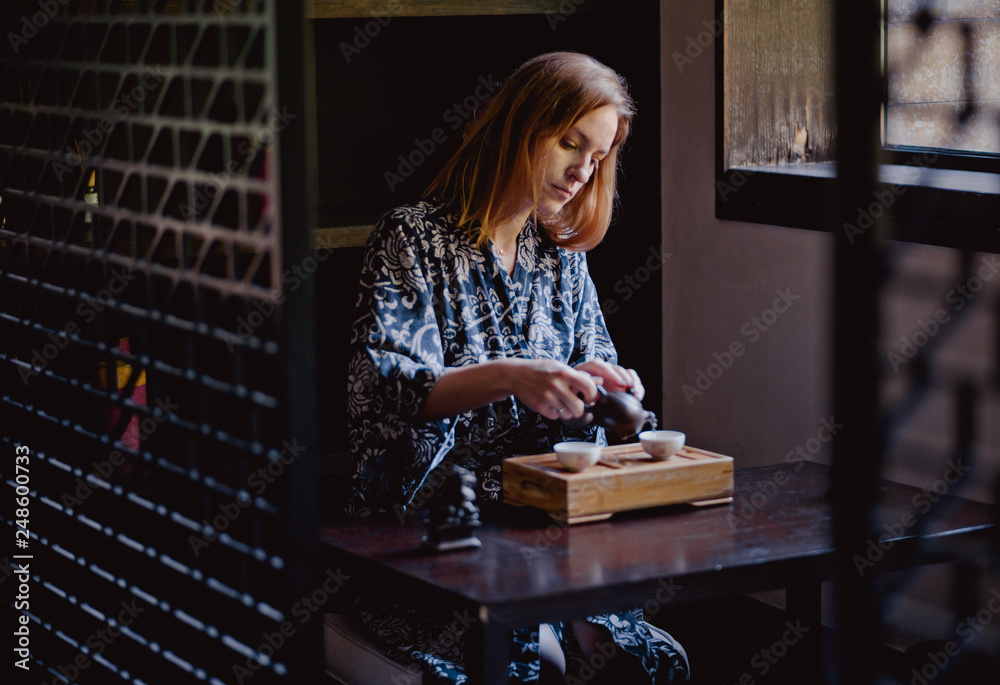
480	336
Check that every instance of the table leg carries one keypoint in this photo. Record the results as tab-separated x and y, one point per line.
488	656
803	607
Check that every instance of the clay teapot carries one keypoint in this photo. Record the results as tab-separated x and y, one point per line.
619	412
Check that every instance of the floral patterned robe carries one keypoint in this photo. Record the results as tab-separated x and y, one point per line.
430	299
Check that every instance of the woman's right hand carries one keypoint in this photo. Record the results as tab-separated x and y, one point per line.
551	388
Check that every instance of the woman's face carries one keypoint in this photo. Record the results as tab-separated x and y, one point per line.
574	158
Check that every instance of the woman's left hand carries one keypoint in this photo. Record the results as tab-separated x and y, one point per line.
616	378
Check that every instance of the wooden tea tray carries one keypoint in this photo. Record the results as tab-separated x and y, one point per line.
692	475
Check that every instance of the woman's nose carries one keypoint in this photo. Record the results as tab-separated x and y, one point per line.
580	171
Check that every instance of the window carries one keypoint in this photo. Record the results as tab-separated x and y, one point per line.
776	121
943	75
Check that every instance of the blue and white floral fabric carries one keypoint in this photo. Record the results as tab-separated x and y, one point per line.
430	299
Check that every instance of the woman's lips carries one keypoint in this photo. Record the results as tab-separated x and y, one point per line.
562	192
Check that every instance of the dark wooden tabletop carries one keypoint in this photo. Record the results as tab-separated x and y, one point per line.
776	531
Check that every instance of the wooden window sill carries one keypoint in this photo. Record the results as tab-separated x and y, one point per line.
946	207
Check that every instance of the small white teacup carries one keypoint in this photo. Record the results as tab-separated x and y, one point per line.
662	444
576	456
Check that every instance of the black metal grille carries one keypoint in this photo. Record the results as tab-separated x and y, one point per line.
147	300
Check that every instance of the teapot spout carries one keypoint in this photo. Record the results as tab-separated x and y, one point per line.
648	423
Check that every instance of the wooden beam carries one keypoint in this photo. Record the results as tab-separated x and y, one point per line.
345	9
339	9
340	236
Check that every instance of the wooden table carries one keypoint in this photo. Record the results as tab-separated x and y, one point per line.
775	534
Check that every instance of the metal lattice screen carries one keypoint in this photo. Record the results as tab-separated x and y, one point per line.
147	366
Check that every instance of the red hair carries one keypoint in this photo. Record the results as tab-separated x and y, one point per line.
496	166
